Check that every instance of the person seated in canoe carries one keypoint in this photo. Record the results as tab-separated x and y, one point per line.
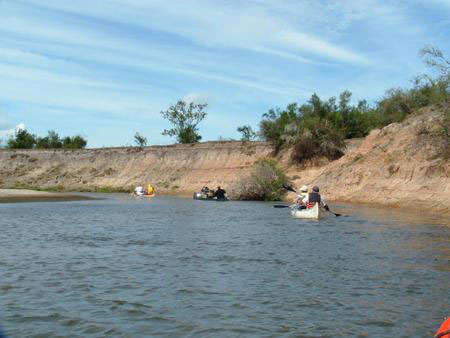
300	197
209	193
139	190
220	193
150	190
314	197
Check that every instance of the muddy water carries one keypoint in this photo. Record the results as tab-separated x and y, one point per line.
177	267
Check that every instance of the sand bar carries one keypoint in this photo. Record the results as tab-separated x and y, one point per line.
23	195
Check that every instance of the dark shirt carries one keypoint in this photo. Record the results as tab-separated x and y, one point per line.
220	194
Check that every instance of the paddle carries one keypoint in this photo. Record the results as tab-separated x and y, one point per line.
279	206
289	188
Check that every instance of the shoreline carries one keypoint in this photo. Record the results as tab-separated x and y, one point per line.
26	195
30	195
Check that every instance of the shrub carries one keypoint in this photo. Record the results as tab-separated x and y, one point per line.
318	127
247	133
22	140
140	140
274	122
51	141
264	184
74	142
318	138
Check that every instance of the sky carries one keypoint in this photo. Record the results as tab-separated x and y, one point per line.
105	69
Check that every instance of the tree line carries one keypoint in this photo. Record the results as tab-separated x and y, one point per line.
315	128
23	139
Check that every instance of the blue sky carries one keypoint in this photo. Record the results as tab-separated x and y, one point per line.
106	68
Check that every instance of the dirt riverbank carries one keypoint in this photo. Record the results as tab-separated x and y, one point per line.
398	165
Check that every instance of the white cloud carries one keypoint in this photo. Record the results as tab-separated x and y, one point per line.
3	122
219	24
306	42
125	60
7	133
197	98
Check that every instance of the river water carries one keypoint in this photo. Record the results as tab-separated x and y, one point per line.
177	267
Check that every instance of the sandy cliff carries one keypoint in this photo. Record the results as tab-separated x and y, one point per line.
397	166
180	169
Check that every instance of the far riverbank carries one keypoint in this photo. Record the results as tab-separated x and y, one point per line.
24	195
399	166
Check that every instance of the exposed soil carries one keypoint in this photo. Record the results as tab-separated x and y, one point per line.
398	165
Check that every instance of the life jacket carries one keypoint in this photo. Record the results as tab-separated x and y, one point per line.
313	198
150	189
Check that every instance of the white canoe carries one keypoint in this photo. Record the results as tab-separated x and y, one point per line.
312	213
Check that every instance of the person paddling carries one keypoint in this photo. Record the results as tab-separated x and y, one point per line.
150	190
139	190
300	197
220	193
314	197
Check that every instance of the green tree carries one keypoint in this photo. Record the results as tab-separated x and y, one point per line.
435	58
185	119
74	142
22	139
273	124
140	140
247	133
51	141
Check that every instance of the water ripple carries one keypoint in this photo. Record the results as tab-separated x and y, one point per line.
176	267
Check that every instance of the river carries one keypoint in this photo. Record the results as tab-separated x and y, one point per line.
167	266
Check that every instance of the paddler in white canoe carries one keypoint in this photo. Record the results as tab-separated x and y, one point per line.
311	206
298	201
306	205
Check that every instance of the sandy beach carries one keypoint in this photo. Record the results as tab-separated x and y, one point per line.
23	195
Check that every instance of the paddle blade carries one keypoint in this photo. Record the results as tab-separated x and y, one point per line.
288	187
281	206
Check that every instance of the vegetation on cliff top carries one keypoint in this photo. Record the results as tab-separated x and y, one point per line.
22	139
318	127
185	119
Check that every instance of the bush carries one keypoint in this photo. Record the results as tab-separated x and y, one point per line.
140	140
399	103
74	142
247	133
317	138
318	127
22	140
51	141
264	184
274	122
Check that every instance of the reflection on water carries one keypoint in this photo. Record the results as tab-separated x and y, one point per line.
177	267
